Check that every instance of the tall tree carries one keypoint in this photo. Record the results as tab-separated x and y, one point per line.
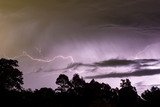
77	81
127	94
63	82
10	77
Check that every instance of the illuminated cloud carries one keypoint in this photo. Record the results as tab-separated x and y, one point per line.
89	31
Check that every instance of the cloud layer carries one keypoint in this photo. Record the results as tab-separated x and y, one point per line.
139	67
137	73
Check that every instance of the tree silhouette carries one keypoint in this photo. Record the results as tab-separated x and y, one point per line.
10	77
46	92
152	96
78	85
63	82
127	94
77	81
73	93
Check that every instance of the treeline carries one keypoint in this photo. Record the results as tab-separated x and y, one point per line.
70	93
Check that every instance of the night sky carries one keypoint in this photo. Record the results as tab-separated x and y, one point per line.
103	39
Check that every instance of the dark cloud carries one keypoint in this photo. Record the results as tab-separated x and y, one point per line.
72	66
122	12
145	63
146	60
115	62
138	73
48	70
137	63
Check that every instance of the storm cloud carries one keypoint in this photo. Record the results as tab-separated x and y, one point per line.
99	35
138	73
137	63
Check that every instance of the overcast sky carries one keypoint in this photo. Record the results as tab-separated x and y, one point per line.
88	31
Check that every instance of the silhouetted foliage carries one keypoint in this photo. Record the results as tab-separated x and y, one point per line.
10	76
127	94
63	82
70	93
152	96
77	81
78	85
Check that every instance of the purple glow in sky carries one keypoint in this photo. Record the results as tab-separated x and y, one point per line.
82	32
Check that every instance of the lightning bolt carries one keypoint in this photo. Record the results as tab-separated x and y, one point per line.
52	59
24	53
